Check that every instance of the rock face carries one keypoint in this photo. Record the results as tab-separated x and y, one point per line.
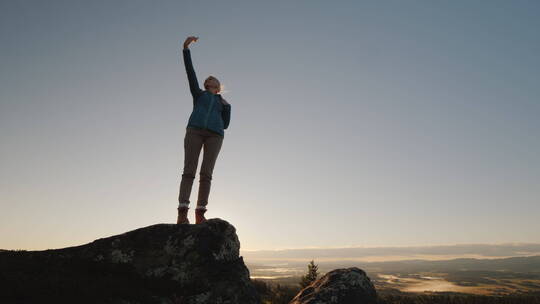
163	263
339	286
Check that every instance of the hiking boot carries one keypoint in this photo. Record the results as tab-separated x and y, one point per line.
199	215
182	215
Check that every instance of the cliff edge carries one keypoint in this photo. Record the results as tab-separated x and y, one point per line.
162	263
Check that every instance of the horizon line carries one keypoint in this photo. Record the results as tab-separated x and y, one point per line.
394	246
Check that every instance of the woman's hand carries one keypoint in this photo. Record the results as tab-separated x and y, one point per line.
189	40
223	101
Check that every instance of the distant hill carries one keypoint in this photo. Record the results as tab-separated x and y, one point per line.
529	264
436	252
528	267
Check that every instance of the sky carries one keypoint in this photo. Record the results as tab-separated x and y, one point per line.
353	123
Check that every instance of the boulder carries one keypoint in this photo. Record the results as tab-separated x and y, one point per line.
162	263
339	286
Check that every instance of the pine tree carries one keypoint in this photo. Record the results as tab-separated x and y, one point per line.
310	276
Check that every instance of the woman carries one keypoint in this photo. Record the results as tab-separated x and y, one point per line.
210	116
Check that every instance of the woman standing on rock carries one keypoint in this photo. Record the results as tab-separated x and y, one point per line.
210	116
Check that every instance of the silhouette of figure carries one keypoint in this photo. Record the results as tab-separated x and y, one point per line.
210	116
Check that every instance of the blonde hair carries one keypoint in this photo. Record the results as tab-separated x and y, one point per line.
213	78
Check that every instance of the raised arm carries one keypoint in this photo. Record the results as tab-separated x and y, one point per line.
192	77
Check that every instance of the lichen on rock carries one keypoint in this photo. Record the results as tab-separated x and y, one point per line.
198	263
339	286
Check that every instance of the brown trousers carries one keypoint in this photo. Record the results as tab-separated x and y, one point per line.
194	140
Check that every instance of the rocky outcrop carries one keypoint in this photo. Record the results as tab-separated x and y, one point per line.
162	263
339	286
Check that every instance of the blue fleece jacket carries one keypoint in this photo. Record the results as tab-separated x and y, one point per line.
208	110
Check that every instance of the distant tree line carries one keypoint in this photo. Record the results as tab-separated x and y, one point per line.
457	299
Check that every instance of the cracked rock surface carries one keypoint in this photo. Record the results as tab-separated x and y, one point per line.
339	286
162	263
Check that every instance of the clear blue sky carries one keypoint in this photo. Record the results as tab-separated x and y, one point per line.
371	123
